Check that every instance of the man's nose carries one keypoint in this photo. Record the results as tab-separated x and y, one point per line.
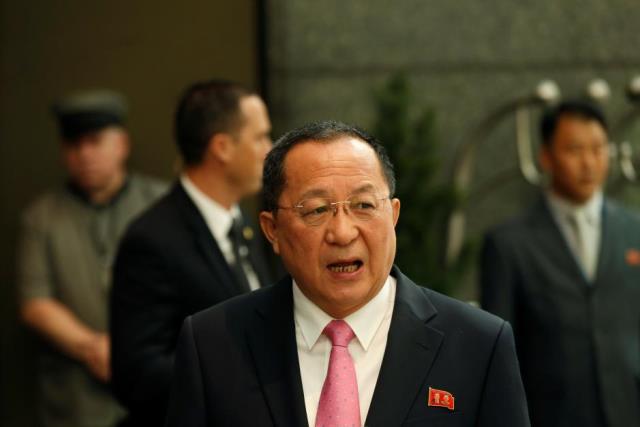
267	144
341	227
589	159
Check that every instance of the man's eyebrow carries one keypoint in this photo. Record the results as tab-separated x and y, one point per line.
319	192
365	188
314	192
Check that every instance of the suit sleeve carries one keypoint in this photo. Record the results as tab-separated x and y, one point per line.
503	402
144	326
497	279
186	407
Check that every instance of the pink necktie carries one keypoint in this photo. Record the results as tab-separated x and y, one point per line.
339	404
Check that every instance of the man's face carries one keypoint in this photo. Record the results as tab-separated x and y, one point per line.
316	255
96	159
577	158
252	142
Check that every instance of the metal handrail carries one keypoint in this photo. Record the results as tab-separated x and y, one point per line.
546	92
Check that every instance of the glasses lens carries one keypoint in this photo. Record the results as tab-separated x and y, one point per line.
364	206
318	210
314	211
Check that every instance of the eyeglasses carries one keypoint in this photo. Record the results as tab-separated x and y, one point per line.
318	210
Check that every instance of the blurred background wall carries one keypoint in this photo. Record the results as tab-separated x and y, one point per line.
464	59
314	60
149	51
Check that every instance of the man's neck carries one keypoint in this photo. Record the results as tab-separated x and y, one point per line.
213	185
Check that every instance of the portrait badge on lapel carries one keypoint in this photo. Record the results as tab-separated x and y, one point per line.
441	398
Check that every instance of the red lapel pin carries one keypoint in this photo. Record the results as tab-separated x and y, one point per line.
441	398
632	257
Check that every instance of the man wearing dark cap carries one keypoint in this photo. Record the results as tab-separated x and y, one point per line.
68	240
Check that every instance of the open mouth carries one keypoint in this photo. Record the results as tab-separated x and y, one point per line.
345	267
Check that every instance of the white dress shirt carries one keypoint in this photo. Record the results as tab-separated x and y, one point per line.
370	325
219	221
588	217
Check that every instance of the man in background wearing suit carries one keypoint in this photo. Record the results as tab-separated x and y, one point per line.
566	274
193	248
347	339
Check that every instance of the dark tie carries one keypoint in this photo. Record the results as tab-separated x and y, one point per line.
240	252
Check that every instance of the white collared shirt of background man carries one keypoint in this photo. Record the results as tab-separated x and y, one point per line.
219	221
589	217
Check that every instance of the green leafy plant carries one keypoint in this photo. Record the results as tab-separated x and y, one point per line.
412	144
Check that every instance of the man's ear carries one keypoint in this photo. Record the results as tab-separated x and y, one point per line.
125	145
395	210
269	228
544	157
221	147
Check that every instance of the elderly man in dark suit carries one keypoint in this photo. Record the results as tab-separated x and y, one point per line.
566	274
346	339
193	248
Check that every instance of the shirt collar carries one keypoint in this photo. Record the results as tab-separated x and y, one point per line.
364	322
217	217
591	209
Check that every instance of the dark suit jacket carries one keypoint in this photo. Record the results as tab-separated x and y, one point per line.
168	267
237	365
578	344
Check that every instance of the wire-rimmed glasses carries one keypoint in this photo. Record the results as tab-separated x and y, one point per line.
317	210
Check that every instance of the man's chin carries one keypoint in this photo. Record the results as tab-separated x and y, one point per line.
583	197
252	189
91	185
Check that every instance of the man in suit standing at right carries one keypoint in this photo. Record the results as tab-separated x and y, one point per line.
193	248
566	274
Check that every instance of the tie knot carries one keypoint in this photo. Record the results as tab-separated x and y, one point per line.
339	332
580	217
235	228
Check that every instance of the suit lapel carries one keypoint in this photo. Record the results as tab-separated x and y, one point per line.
257	256
273	347
205	241
211	252
412	346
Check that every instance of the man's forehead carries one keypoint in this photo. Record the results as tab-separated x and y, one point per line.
251	109
329	153
343	156
572	128
306	158
576	120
